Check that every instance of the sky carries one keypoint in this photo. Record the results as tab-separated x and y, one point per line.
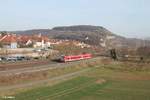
130	18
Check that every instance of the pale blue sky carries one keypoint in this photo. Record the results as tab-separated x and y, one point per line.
125	17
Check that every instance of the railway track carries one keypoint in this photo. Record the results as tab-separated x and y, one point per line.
23	64
44	67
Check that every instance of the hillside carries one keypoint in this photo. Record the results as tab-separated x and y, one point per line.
93	35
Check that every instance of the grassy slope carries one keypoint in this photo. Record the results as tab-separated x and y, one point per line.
119	85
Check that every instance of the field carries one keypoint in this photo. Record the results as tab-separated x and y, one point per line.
113	81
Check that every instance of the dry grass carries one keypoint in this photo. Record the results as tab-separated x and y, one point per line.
41	75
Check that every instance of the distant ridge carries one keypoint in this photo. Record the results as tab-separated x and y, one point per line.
79	28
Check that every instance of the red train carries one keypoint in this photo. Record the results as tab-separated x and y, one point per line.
75	57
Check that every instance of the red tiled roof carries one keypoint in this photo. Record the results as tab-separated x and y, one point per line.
0	37
35	38
8	39
24	39
39	39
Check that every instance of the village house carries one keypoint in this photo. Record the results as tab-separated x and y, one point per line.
12	41
40	41
24	41
9	41
35	41
81	44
